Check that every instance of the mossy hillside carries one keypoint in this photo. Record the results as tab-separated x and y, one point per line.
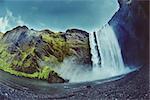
24	62
80	49
35	56
59	47
5	64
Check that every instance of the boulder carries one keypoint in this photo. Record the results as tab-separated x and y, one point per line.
55	78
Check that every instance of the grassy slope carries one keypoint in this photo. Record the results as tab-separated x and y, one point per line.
60	51
5	63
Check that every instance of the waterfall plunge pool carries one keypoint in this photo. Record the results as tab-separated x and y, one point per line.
106	59
110	69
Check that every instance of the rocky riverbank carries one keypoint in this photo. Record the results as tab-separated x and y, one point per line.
133	86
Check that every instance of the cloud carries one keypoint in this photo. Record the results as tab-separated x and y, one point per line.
4	23
34	8
20	21
9	21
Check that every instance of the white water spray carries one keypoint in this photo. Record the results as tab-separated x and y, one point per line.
110	57
109	49
95	57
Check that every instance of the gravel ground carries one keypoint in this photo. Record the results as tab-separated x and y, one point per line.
134	86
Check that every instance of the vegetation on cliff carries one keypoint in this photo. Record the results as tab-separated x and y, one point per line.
34	54
6	65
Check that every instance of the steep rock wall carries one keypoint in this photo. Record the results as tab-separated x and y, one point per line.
131	25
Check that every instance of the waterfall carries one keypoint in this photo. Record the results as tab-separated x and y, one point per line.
109	49
106	58
94	50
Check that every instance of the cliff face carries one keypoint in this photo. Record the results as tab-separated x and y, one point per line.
131	25
79	45
29	51
73	42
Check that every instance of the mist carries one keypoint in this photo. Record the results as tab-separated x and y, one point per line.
81	73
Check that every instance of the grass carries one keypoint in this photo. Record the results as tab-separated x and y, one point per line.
59	46
43	74
60	50
5	62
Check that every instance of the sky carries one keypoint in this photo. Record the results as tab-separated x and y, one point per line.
56	15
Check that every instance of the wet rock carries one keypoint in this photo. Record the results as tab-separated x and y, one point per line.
88	86
54	78
131	25
79	45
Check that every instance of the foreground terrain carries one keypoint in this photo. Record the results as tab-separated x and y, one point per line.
133	86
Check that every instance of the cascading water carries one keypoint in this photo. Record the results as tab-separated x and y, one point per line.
106	58
109	50
94	50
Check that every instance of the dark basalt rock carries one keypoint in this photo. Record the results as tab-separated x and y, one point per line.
12	35
54	78
77	31
46	31
131	25
79	41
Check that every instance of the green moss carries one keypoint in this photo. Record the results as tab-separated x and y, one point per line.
51	59
19	63
43	74
58	45
5	65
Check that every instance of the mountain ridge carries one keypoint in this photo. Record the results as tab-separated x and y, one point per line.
33	51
